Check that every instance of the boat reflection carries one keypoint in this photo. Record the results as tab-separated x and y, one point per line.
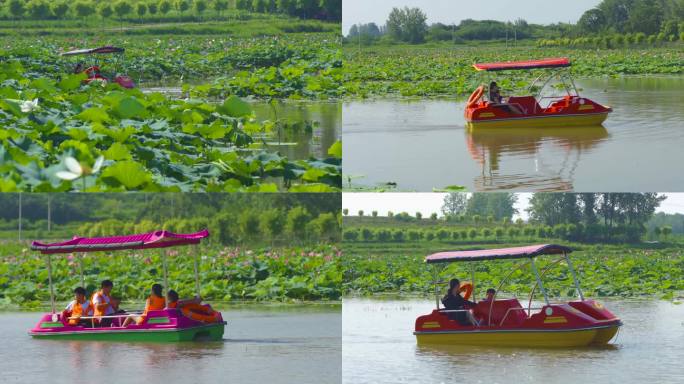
489	147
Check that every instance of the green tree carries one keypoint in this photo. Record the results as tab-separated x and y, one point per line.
454	204
39	9
122	8
351	235
272	223
345	212
259	6
332	9
60	9
419	216
141	10
498	205
16	8
220	6
84	9
407	24
182	6
374	213
200	7
326	226
592	21
297	218
248	223
367	234
554	208
165	7
307	9
360	212
152	9
433	217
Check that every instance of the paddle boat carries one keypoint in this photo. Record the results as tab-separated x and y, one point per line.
505	322
92	69
534	111
158	325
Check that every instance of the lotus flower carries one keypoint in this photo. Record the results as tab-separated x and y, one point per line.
76	170
29	106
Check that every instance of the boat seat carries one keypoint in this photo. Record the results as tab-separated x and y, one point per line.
499	309
528	104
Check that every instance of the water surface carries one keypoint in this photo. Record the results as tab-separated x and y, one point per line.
261	345
379	347
424	144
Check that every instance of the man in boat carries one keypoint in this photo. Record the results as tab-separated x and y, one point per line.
102	306
192	308
453	301
498	101
155	302
79	307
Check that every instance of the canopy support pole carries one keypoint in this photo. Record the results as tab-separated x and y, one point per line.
52	289
574	276
80	268
541	286
472	279
197	279
166	273
435	282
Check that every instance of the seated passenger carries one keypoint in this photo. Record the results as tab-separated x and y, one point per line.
453	301
192	308
101	302
154	302
491	292
79	307
498	101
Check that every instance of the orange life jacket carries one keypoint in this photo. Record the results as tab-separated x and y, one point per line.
78	310
100	309
173	304
153	303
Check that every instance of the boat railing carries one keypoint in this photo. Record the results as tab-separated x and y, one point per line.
528	309
106	317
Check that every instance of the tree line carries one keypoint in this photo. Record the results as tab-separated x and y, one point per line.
611	24
585	217
232	218
82	9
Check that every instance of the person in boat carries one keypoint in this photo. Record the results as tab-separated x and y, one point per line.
155	302
192	308
101	302
453	301
498	101
80	67
78	307
491	292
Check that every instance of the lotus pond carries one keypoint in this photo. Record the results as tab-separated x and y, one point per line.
227	129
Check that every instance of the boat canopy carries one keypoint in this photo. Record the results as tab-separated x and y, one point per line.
91	51
501	253
519	65
156	239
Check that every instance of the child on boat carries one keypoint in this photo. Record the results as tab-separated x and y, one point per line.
491	292
101	302
192	308
154	302
77	308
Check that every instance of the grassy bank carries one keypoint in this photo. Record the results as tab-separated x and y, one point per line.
446	70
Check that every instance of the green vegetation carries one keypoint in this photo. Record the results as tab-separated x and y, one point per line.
445	70
227	274
275	247
603	270
232	219
386	254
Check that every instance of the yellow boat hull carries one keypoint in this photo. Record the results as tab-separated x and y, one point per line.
522	338
554	121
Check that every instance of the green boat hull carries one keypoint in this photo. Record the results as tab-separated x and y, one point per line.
209	332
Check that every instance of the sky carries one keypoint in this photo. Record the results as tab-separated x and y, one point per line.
429	203
453	11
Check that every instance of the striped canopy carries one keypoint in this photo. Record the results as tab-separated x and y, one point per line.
156	239
501	253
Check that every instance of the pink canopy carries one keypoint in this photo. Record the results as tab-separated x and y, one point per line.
501	253
156	239
529	64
